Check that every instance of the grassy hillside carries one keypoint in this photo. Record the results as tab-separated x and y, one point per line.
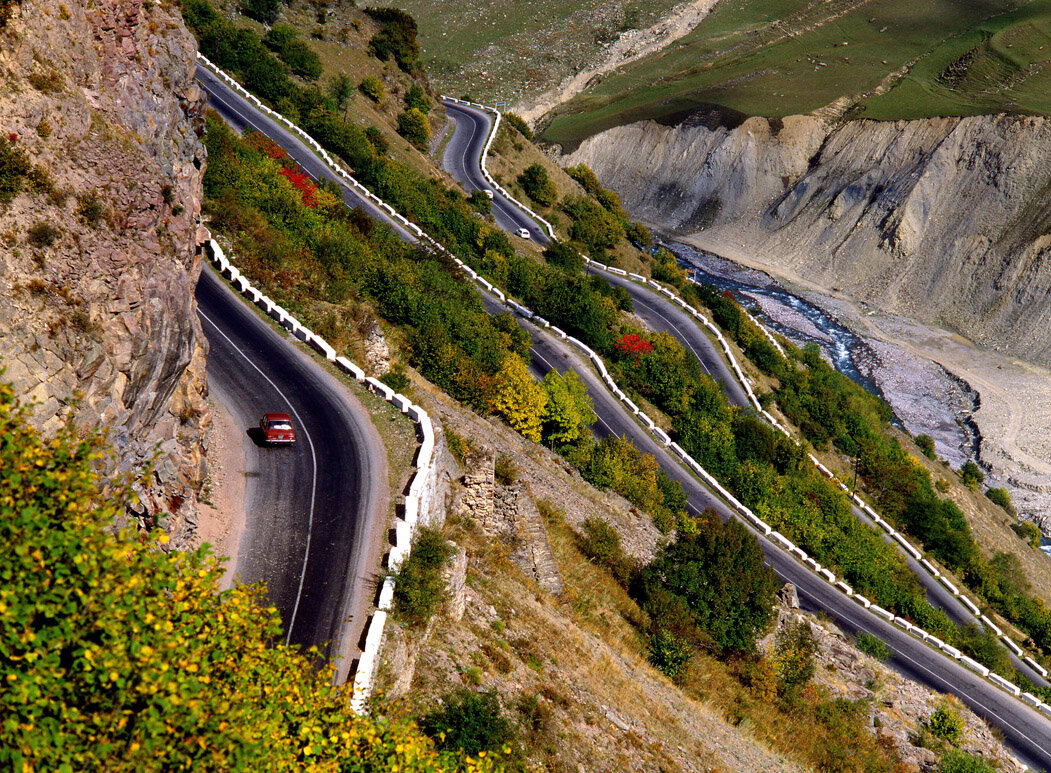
884	58
503	51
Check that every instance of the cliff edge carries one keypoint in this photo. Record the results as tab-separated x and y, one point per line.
99	259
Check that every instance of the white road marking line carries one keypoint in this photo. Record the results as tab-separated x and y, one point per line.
313	460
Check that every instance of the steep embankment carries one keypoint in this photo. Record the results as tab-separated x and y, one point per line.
99	263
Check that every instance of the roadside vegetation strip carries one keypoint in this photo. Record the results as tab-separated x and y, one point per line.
906	545
855	498
740	509
416	501
495	126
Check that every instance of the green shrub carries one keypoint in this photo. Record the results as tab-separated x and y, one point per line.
471	722
538	185
373	88
414	126
946	724
794	651
926	444
14	167
957	761
1000	496
972	475
396	378
717	570
873	646
670	654
294	52
593	226
43	234
505	470
90	208
600	542
417	98
418	591
47	82
396	38
264	11
519	124
1028	531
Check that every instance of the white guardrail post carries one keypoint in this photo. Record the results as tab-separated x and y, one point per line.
367	664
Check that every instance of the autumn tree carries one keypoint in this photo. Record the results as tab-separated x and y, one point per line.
519	398
118	656
570	411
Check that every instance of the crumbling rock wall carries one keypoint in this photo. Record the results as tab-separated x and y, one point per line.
99	319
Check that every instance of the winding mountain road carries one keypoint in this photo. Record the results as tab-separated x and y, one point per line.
315	511
1026	731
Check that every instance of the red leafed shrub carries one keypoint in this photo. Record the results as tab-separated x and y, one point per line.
13	137
299	179
634	345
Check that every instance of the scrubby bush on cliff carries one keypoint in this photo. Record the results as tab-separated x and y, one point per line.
294	51
414	126
418	590
1001	497
396	38
14	167
416	98
372	87
538	186
717	569
120	656
600	542
474	723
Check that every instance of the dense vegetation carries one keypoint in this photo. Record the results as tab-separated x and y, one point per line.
831	410
115	655
767	471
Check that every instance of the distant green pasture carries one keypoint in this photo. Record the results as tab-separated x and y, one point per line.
783	57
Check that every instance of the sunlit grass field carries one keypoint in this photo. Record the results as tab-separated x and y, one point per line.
891	58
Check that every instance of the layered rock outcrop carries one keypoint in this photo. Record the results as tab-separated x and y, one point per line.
99	260
945	220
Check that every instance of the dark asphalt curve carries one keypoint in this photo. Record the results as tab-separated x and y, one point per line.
462	160
1026	731
315	511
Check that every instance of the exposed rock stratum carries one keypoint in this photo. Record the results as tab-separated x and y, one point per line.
98	313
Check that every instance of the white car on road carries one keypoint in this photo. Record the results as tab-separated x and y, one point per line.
524	233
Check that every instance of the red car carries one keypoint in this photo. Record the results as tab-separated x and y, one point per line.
277	428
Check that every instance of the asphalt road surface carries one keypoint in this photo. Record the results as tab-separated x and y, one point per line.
462	160
315	511
1026	731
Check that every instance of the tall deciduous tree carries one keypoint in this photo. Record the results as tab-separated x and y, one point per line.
569	408
519	399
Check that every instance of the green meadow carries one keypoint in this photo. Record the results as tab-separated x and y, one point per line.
890	59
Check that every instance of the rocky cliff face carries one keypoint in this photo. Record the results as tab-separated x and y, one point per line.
943	220
99	257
